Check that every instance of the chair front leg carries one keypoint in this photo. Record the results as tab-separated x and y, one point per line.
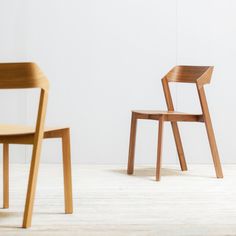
130	168
5	175
159	149
34	166
67	171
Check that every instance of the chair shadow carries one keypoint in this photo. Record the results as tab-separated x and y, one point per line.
151	171
7	214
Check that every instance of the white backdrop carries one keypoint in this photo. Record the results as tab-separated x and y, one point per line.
106	57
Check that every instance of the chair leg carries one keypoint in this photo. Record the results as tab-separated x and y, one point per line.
213	146
159	149
210	132
67	171
34	166
5	175
179	146
130	168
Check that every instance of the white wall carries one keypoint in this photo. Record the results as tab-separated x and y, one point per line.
104	58
13	47
207	35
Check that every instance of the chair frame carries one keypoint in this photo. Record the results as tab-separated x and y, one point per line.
28	75
200	75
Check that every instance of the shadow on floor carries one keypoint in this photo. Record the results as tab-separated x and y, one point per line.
151	171
4	213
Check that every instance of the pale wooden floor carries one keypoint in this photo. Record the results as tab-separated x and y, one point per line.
108	202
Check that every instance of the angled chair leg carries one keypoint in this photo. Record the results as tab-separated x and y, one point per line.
159	149
34	166
214	150
5	175
174	125
130	168
210	132
67	171
179	146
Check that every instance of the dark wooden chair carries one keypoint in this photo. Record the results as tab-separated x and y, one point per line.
199	75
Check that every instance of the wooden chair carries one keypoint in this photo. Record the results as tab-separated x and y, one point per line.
26	76
200	75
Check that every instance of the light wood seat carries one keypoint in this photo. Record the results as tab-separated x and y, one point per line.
23	134
28	75
199	75
8	130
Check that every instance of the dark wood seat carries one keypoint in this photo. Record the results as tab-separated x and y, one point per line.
168	115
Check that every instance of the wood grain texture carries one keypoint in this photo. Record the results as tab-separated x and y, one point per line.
172	116
22	75
25	134
28	75
5	175
67	172
190	74
210	132
133	128
35	159
9	130
174	125
159	149
200	75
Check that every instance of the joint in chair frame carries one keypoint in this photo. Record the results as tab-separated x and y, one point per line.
199	75
27	75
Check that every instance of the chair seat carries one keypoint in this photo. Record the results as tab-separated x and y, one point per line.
158	112
168	115
10	130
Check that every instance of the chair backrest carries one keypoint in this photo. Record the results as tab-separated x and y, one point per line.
199	75
22	75
190	74
26	75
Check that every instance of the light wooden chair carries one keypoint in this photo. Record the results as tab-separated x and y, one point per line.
199	75
26	76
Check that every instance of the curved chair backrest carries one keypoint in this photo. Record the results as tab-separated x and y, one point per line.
190	74
26	75
200	75
22	75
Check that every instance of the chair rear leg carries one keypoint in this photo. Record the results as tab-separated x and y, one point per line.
210	132
5	175
214	149
159	149
67	171
130	168
179	146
